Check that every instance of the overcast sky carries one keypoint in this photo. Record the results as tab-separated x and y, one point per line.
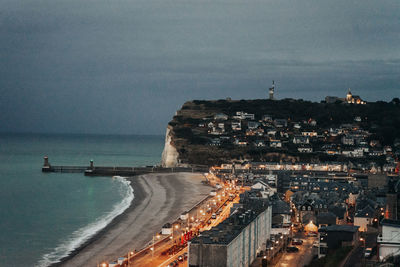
126	66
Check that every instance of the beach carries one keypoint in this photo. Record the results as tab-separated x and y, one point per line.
158	198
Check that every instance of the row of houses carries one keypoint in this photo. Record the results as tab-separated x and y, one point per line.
347	140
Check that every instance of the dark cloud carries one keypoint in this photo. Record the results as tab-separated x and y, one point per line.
126	66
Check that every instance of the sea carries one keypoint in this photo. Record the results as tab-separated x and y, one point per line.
44	216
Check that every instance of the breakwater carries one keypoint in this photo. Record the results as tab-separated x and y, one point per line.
92	170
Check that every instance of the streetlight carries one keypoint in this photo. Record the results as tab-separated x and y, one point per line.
152	248
130	256
173	229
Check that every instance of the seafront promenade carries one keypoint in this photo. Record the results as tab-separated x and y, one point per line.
160	198
171	249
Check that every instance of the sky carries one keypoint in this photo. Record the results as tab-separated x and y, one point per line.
126	66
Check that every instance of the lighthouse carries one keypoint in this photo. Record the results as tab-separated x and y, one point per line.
271	91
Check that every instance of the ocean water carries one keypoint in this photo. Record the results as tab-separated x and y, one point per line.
44	216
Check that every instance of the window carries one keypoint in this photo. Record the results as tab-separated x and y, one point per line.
309	207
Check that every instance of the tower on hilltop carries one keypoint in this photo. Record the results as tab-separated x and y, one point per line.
271	91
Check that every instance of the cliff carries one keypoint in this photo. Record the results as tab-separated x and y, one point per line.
170	155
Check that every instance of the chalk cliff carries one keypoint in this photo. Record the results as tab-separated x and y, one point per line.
170	155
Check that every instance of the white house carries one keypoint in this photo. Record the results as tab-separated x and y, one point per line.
220	116
166	229
275	143
364	217
389	240
236	125
264	187
301	140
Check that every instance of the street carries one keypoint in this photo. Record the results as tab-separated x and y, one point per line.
300	258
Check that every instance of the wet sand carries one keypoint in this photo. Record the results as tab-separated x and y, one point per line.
159	198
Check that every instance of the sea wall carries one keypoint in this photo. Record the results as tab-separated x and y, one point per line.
170	155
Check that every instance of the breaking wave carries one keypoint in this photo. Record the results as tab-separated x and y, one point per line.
81	235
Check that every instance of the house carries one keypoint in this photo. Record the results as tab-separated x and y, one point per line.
265	190
166	229
336	236
243	116
215	142
354	153
267	118
221	116
301	139
389	240
253	125
263	186
312	122
306	211
281	213
326	219
236	125
347	140
305	149
271	131
259	143
364	217
280	123
309	133
340	213
297	125
275	143
240	142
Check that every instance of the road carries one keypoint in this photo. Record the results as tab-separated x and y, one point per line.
301	258
157	259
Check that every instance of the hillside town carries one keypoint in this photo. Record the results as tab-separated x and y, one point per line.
286	190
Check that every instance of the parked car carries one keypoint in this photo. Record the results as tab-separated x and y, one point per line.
185	255
315	244
368	252
311	234
292	249
297	241
180	258
213	216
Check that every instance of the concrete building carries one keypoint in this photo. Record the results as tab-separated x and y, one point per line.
389	240
237	240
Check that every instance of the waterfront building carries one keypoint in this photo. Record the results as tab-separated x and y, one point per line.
236	241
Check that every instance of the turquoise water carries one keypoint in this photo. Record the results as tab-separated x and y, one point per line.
43	216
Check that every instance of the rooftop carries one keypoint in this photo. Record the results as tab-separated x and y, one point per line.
389	222
230	228
339	228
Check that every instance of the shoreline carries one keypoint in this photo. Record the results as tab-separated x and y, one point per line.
139	196
157	200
